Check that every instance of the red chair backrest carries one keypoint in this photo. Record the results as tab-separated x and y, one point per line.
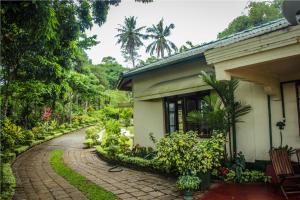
281	162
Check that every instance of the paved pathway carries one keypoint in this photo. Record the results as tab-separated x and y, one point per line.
36	179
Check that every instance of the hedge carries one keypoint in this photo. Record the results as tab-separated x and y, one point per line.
136	163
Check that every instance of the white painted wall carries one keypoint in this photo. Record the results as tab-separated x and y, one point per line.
253	134
148	118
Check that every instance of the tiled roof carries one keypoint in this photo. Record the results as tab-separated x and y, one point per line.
199	50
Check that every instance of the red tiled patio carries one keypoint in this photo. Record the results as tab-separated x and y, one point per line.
245	192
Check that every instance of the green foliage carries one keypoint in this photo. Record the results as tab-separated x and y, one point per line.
248	177
115	97
159	34
88	188
112	127
213	115
149	60
11	135
113	142
38	132
8	182
108	72
126	116
89	143
258	13
185	153
233	109
7	157
188	45
131	161
239	166
92	136
109	112
142	152
188	183
28	137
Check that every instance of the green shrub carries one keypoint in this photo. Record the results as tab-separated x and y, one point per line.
21	149
89	143
8	182
53	125
28	137
91	136
188	183
110	113
112	141
62	126
142	152
11	135
129	161
185	153
112	127
248	177
38	132
126	114
7	157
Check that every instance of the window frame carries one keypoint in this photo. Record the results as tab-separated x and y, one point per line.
197	96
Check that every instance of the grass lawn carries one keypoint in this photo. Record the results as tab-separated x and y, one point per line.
89	189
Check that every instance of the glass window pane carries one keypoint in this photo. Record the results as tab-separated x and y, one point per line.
171	106
172	119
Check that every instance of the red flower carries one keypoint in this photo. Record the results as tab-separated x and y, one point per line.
224	171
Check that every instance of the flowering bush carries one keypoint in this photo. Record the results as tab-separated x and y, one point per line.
185	153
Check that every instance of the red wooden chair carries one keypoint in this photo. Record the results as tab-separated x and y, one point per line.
289	181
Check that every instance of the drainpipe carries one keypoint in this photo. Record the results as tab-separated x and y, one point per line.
270	121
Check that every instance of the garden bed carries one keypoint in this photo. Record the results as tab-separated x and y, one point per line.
135	163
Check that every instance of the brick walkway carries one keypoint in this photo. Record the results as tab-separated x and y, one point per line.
36	179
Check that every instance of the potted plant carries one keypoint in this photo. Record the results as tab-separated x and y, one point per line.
188	184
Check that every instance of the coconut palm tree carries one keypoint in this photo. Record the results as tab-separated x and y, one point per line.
130	37
160	44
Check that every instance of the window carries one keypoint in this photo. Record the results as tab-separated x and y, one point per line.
177	109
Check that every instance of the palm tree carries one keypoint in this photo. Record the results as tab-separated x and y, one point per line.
160	44
130	37
234	109
188	45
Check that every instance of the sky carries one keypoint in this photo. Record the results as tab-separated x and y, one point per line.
197	21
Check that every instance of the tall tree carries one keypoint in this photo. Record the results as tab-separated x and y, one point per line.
258	13
130	37
159	34
41	41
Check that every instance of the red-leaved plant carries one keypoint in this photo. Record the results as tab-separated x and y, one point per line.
46	114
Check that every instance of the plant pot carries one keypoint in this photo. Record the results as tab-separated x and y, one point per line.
205	181
188	195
